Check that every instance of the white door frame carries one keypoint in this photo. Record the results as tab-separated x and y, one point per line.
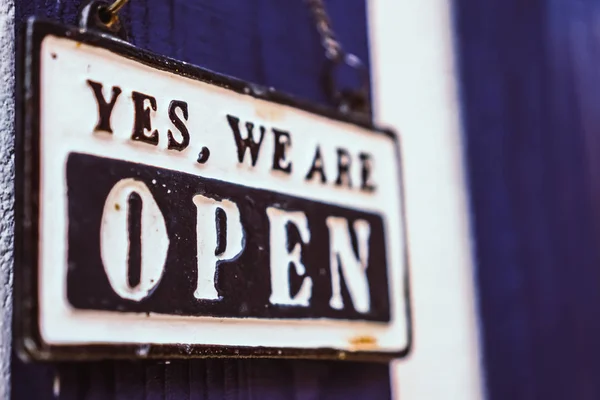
416	92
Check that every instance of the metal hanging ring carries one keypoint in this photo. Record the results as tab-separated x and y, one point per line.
109	14
102	17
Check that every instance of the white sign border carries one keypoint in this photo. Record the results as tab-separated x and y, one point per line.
33	345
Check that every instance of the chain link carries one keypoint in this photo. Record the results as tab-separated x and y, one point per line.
347	99
109	14
333	48
116	6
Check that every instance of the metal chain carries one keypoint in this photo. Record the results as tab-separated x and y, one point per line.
116	6
333	48
347	99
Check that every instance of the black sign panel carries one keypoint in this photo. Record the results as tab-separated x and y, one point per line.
244	284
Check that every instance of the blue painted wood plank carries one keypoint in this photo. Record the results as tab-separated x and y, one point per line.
530	104
130	381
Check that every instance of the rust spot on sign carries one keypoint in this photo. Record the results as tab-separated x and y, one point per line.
363	342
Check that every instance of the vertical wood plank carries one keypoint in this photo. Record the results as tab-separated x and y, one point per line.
130	380
530	92
101	381
154	381
177	380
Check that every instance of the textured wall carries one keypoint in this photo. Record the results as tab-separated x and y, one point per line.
6	186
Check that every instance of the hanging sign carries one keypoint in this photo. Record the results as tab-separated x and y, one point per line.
167	211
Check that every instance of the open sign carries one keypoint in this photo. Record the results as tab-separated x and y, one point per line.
170	211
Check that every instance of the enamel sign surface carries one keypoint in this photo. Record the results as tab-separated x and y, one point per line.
166	211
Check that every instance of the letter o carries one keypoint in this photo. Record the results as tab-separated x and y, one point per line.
114	240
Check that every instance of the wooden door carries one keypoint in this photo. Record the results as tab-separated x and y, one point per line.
272	43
